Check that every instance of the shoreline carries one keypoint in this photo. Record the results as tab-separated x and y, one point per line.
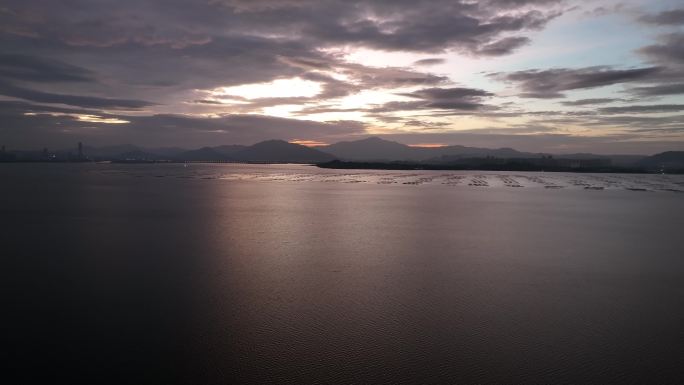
342	165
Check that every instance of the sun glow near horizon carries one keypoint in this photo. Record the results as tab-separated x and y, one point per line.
280	88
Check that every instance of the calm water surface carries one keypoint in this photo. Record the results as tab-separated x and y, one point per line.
217	274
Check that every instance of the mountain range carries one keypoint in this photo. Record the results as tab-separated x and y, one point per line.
365	150
376	149
273	151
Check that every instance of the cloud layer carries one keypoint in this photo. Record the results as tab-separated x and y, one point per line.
155	72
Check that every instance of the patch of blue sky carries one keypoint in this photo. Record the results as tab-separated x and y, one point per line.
582	41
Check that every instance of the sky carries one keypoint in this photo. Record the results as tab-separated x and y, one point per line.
559	76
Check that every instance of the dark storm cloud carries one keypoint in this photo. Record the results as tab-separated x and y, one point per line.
448	93
552	83
324	109
519	3
625	121
204	101
8	108
668	54
669	50
225	61
672	17
160	72
397	106
429	61
518	129
361	76
641	120
673	130
168	75
8	89
392	25
627	118
502	47
588	102
425	124
659	90
151	50
401	24
389	77
36	69
456	98
641	109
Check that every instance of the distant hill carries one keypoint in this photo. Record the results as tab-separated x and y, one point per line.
376	149
229	149
667	160
281	151
373	149
202	154
268	151
165	152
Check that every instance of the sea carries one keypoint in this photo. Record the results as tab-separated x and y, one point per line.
290	274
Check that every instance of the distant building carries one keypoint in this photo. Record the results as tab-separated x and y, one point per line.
80	150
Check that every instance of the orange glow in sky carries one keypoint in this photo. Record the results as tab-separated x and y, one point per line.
428	145
308	143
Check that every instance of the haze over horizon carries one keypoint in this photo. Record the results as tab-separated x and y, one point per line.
553	76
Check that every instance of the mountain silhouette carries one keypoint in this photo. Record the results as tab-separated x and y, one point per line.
377	149
372	149
229	149
202	154
668	159
280	151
